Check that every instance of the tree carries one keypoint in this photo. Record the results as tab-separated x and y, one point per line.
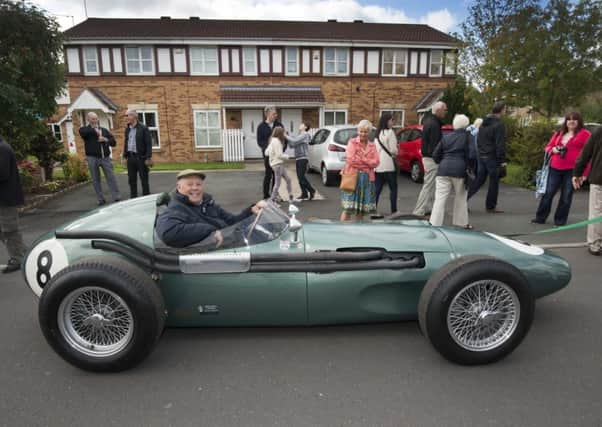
31	73
461	98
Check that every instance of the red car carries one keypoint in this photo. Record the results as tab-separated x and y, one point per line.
409	156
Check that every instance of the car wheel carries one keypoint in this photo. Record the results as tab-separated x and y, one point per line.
476	310
327	177
415	173
102	314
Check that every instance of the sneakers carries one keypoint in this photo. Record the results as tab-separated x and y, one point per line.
12	265
294	200
595	248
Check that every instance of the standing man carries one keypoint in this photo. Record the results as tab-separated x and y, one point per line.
431	135
11	196
301	145
138	150
264	132
592	151
491	142
97	141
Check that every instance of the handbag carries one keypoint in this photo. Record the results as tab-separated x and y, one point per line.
541	177
348	180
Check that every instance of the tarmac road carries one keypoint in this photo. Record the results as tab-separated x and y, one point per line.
363	375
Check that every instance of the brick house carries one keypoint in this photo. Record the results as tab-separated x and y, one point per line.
200	85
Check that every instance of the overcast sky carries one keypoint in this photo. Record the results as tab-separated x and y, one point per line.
444	15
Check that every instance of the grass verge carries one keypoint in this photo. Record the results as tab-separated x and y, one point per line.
119	168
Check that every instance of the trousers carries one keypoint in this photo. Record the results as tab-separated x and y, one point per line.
391	179
97	163
444	187
10	234
136	167
427	193
279	174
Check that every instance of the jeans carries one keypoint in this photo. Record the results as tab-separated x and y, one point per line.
488	167
279	174
137	167
306	188
268	178
9	232
391	179
97	163
557	179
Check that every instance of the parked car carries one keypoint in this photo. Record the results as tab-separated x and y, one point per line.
409	155
108	286
327	151
591	126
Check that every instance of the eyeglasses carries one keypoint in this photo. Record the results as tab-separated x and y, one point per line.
572	120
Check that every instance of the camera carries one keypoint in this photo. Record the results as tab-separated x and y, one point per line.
562	152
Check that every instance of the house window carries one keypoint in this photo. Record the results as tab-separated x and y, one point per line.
150	119
270	60
230	60
336	61
436	63
335	117
91	60
394	62
207	131
292	61
451	60
73	60
139	60
398	117
55	128
203	61
418	62
249	61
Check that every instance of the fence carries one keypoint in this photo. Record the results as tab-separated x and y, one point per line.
233	143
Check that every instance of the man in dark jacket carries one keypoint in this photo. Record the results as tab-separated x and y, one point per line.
11	196
97	141
138	150
264	132
192	215
431	135
491	141
592	151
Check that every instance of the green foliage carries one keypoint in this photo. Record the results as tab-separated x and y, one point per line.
525	147
31	73
460	98
75	169
591	108
48	150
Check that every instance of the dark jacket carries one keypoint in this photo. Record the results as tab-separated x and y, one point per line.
183	224
264	132
591	151
491	139
92	146
431	134
454	153
144	142
11	193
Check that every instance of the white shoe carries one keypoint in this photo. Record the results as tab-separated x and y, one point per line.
295	200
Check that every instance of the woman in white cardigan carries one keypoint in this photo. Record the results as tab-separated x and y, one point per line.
386	145
277	156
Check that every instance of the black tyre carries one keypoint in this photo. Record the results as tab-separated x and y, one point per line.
102	314
476	310
416	174
328	178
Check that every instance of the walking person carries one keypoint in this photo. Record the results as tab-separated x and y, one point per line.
301	145
454	154
564	149
386	146
97	141
264	133
277	156
592	152
361	158
491	143
431	135
11	196
138	151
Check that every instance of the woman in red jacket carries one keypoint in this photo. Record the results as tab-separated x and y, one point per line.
564	148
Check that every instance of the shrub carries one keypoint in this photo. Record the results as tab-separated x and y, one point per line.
48	150
75	169
525	147
28	174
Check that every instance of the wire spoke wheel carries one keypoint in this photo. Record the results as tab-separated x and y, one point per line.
483	315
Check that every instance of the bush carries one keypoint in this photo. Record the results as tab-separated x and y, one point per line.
28	174
525	147
75	169
48	150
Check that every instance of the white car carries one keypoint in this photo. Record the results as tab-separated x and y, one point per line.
327	151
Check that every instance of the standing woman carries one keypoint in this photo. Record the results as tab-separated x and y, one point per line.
361	157
386	146
275	152
564	148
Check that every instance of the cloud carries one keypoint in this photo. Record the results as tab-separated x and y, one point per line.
442	20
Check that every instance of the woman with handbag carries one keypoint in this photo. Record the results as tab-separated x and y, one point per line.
564	149
455	154
357	176
386	146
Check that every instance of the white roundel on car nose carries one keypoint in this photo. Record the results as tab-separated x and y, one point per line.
43	262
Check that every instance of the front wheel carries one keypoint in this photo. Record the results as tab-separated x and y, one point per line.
415	172
476	310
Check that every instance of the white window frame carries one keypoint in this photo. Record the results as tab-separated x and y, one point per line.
196	128
95	59
394	110
151	128
296	61
395	62
450	71
252	51
334	111
336	61
440	63
52	127
73	60
140	60
203	61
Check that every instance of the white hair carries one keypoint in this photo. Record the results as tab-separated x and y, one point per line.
364	124
269	109
478	122
134	112
91	114
437	106
460	121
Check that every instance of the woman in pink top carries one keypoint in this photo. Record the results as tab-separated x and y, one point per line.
361	156
564	148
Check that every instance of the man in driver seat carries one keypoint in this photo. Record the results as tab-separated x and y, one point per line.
192	215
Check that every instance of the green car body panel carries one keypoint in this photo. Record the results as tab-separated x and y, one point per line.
301	298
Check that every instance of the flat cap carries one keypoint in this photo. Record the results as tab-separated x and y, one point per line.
190	172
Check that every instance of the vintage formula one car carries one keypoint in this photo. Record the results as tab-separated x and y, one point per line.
108	286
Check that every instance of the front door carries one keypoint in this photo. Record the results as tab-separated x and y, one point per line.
250	120
291	119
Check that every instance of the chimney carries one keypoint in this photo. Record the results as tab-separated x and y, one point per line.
332	20
358	21
164	18
194	18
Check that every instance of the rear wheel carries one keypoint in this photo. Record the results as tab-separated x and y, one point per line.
415	172
328	178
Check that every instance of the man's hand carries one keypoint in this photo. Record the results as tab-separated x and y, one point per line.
258	206
102	139
219	239
578	182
